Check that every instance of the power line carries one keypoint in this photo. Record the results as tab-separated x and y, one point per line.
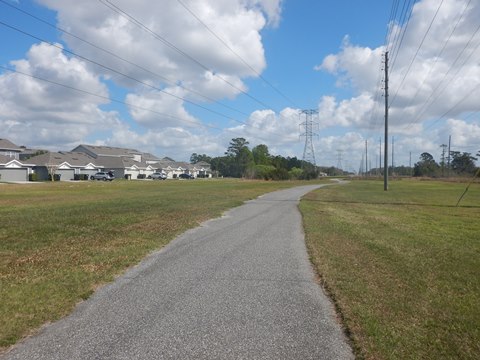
397	44
416	53
138	23
168	81
112	99
105	97
439	54
426	105
235	53
454	107
121	73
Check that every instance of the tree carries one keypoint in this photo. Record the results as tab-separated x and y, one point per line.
239	159
195	158
236	145
426	166
261	155
52	169
462	163
295	173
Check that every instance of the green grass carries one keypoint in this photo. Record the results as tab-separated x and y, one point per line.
403	266
60	241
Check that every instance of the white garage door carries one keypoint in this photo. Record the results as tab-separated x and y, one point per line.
13	175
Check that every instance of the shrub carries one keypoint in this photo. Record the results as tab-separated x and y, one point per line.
56	177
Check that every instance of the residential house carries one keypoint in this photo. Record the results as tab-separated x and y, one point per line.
12	169
64	165
173	168
126	167
202	169
124	162
9	149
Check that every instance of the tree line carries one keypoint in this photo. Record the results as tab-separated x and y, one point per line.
239	161
458	164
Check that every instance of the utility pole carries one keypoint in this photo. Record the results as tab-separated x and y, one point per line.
393	154
449	143
385	157
309	124
410	163
444	149
380	157
366	158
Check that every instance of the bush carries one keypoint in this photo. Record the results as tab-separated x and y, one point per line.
141	176
56	177
80	177
33	177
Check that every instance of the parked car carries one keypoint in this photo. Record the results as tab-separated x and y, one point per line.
186	176
158	176
102	175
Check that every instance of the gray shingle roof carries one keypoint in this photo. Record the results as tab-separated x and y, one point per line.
110	150
57	158
113	162
8	145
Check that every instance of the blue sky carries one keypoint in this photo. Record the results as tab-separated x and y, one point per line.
323	55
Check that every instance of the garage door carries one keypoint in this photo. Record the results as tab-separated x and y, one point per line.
65	174
13	175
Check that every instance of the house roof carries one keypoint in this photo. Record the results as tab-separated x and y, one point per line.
57	158
110	150
5	159
111	162
203	164
149	157
8	145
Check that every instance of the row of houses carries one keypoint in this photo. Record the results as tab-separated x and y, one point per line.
19	163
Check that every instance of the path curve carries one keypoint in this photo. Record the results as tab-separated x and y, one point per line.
237	287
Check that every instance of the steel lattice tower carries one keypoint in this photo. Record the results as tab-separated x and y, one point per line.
310	126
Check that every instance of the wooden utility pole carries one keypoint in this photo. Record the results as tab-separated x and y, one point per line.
385	152
366	157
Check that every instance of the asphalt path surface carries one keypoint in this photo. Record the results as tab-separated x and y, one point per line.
237	287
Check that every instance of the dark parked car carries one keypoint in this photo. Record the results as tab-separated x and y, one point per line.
102	175
186	176
158	176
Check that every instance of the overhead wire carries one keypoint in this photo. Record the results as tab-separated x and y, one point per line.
139	24
439	54
209	29
111	99
128	76
445	114
108	98
128	62
434	93
165	79
388	39
416	53
397	43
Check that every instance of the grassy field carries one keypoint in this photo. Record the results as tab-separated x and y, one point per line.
59	241
403	266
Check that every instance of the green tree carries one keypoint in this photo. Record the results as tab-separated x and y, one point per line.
238	161
236	146
295	173
195	158
462	163
261	155
426	166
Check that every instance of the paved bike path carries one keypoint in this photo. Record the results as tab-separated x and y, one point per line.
237	287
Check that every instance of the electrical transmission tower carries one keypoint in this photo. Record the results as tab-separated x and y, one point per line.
310	126
339	159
